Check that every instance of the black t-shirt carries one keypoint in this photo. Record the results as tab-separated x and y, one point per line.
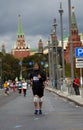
37	84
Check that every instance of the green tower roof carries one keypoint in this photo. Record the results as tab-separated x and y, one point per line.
73	20
20	31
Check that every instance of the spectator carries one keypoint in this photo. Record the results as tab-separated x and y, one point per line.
76	85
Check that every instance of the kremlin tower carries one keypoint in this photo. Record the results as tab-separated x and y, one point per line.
76	41
40	46
3	48
21	49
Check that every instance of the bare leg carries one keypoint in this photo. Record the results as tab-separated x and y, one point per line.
36	104
40	105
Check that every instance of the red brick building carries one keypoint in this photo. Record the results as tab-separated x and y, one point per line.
76	41
21	49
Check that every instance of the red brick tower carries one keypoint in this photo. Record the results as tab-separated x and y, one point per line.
76	42
21	50
40	46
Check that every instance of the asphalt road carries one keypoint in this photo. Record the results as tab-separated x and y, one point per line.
58	114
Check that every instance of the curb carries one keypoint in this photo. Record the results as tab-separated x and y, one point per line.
68	98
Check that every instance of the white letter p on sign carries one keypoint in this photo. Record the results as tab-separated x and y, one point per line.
80	51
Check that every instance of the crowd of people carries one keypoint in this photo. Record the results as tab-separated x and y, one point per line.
20	86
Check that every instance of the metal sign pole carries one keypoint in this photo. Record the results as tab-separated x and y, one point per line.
71	46
81	76
81	82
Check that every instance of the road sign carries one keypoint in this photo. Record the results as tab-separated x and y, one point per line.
79	65
79	62
79	52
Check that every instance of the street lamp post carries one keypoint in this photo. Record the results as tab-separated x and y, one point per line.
49	59
61	23
20	63
46	66
0	73
56	60
53	77
71	48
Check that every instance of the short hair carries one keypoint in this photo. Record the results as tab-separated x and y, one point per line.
37	64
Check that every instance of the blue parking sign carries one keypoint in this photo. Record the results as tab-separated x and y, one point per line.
79	52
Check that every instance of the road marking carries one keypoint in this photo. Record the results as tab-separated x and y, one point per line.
18	126
45	113
36	118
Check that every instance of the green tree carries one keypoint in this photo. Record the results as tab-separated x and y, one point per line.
10	67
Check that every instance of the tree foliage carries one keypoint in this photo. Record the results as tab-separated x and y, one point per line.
10	67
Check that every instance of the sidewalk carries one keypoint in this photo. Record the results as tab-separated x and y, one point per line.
64	94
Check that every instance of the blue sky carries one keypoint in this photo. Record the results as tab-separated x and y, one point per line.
37	19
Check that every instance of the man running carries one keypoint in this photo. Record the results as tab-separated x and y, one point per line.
38	79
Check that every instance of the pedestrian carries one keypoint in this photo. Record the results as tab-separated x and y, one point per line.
6	88
38	79
14	86
20	87
76	85
24	86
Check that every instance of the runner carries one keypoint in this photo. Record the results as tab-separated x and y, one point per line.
38	79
